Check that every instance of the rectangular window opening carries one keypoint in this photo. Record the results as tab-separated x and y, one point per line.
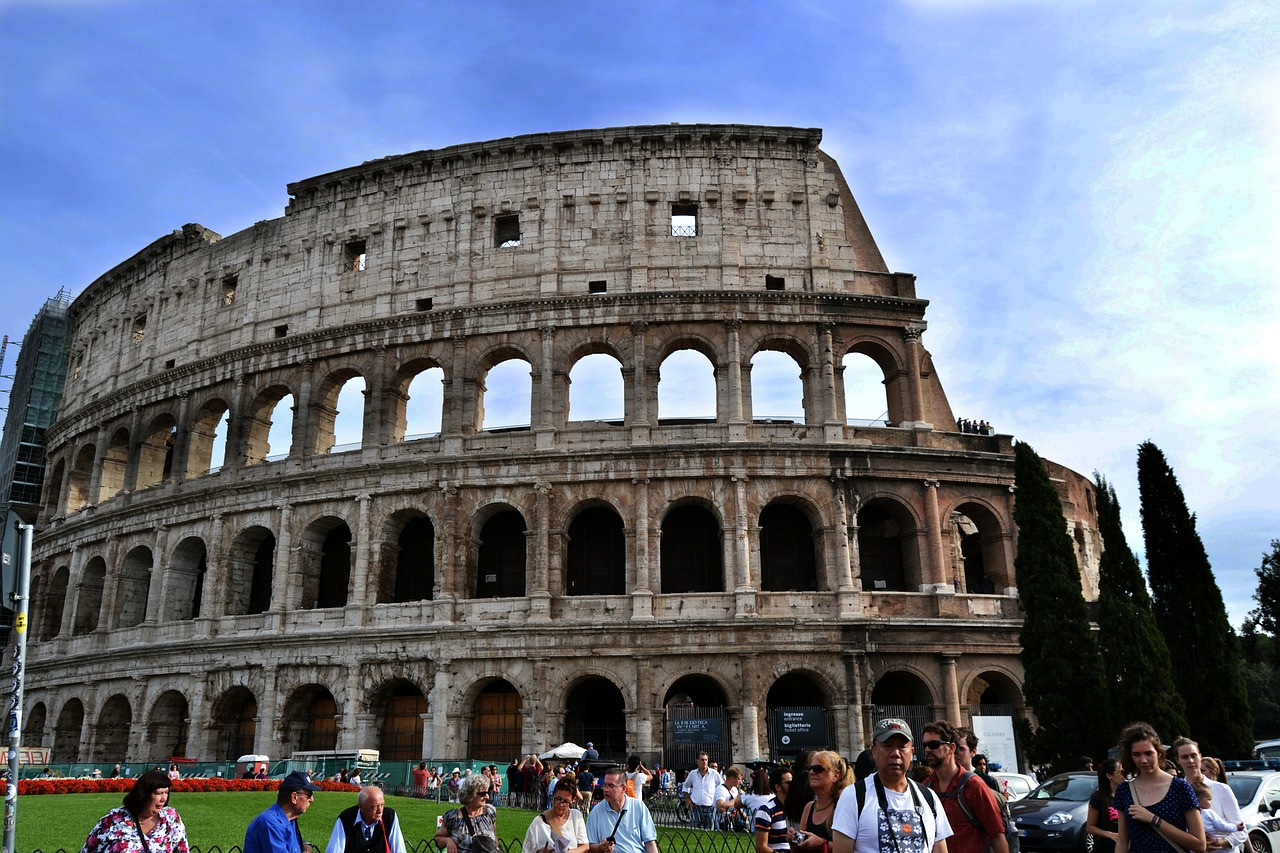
423	304
597	286
281	331
775	282
139	328
506	231
169	363
229	285
354	256
684	220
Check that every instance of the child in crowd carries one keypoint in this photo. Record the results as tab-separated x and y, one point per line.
1220	834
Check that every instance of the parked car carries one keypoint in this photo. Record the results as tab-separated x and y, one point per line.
1015	785
1053	815
1258	792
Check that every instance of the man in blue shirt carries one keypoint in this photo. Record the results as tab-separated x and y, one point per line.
618	823
276	829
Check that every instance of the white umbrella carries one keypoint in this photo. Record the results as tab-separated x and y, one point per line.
564	750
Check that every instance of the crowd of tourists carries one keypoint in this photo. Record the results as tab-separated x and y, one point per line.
884	801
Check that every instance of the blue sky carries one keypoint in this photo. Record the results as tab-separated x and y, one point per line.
1086	190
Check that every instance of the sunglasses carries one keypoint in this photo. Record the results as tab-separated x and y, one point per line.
816	768
560	802
934	744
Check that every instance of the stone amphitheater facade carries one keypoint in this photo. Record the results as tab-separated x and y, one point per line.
468	592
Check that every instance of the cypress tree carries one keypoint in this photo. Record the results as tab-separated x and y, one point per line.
1186	601
1064	681
1135	657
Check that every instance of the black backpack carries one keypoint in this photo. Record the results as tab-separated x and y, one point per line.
1002	804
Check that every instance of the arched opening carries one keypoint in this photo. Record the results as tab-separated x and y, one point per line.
596	554
686	388
886	547
798	716
167	726
135	586
500	562
868	395
423	405
595	712
235	719
185	588
207	445
113	466
53	489
776	388
81	478
788	552
979	540
33	728
596	390
325	556
903	695
506	399
111	735
55	602
692	553
89	601
415	561
402	714
696	720
251	565
340	413
994	694
66	734
497	721
155	454
269	431
311	719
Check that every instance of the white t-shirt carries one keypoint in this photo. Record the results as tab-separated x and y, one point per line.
916	831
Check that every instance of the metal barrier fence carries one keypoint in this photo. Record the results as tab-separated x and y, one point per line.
684	842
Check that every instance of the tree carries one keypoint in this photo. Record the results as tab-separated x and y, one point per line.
1135	657
1064	681
1267	615
1186	601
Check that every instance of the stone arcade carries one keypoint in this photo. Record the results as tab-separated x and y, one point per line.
448	590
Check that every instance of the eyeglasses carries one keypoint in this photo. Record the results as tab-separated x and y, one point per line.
934	744
560	802
307	794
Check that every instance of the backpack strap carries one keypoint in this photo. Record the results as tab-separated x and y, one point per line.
964	806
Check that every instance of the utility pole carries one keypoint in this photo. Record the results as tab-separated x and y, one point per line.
20	595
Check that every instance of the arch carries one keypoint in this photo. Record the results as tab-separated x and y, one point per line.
250	569
788	549
235	721
980	540
53	489
776	387
501	556
697	696
111	734
596	553
506	395
596	388
687	386
401	707
902	694
497	721
887	547
310	719
339	407
873	392
188	568
206	447
797	688
993	693
692	551
269	426
135	586
55	602
114	463
89	600
67	731
81	478
155	451
595	712
325	556
420	410
409	566
798	697
697	689
167	726
33	728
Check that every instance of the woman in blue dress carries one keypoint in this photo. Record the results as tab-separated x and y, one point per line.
1159	812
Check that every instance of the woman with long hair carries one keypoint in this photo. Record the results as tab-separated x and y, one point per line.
1157	811
829	774
145	823
1103	816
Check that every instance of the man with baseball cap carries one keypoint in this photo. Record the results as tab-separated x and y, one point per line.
276	830
887	812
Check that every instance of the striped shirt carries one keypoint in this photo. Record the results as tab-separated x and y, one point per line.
772	818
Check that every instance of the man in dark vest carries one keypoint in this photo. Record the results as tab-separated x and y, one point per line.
367	827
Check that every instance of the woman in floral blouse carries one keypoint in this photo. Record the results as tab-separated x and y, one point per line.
145	813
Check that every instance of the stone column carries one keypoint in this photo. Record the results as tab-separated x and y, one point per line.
950	687
644	579
160	580
75	575
132	454
99	461
109	608
440	708
359	597
182	439
448	567
540	595
543	417
829	393
375	429
266	739
305	415
642	736
731	410
213	599
642	395
197	722
933	577
911	335
281	582
854	663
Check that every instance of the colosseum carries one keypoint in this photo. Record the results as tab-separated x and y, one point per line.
449	588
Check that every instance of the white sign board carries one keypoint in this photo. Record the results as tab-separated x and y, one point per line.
995	741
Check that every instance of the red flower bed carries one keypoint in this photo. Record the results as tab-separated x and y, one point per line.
27	787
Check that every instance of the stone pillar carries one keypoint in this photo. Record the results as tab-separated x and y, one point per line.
644	703
133	454
182	439
109	608
160	580
644	578
950	687
213	600
642	395
540	595
911	335
854	664
197	722
75	575
266	740
731	410
428	737
933	578
543	417
447	562
440	708
87	729
99	461
359	597
281	582
375	429
1009	542
305	415
829	392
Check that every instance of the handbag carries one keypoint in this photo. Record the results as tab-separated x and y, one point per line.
479	843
